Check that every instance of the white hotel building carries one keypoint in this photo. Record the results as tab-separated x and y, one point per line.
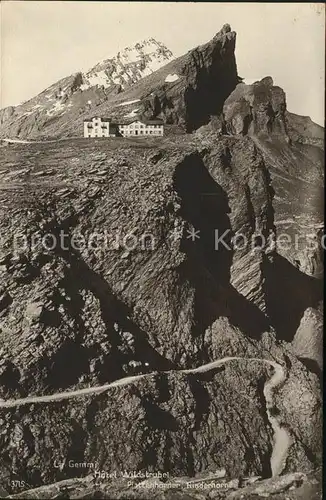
99	127
142	127
104	127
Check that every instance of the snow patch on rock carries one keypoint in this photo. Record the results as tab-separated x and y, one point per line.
126	103
99	78
172	78
132	113
58	108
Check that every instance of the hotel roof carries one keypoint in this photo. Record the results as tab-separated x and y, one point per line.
126	121
141	120
104	119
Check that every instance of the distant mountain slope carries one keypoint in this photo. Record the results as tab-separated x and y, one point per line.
82	91
303	129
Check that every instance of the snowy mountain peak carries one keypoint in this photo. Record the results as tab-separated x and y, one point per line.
128	66
149	46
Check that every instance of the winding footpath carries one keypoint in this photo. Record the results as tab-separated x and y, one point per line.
282	440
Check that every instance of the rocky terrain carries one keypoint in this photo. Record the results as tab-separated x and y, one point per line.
111	266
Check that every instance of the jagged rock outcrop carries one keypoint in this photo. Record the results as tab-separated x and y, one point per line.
308	340
257	109
204	78
6	114
291	149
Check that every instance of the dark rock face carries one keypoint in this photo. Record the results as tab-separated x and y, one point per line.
207	75
66	303
308	340
166	422
6	114
257	109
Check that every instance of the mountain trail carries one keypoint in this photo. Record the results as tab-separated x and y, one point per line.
282	440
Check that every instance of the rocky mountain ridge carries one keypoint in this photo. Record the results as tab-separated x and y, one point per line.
183	92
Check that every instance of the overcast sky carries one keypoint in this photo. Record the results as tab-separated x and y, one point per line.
42	41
